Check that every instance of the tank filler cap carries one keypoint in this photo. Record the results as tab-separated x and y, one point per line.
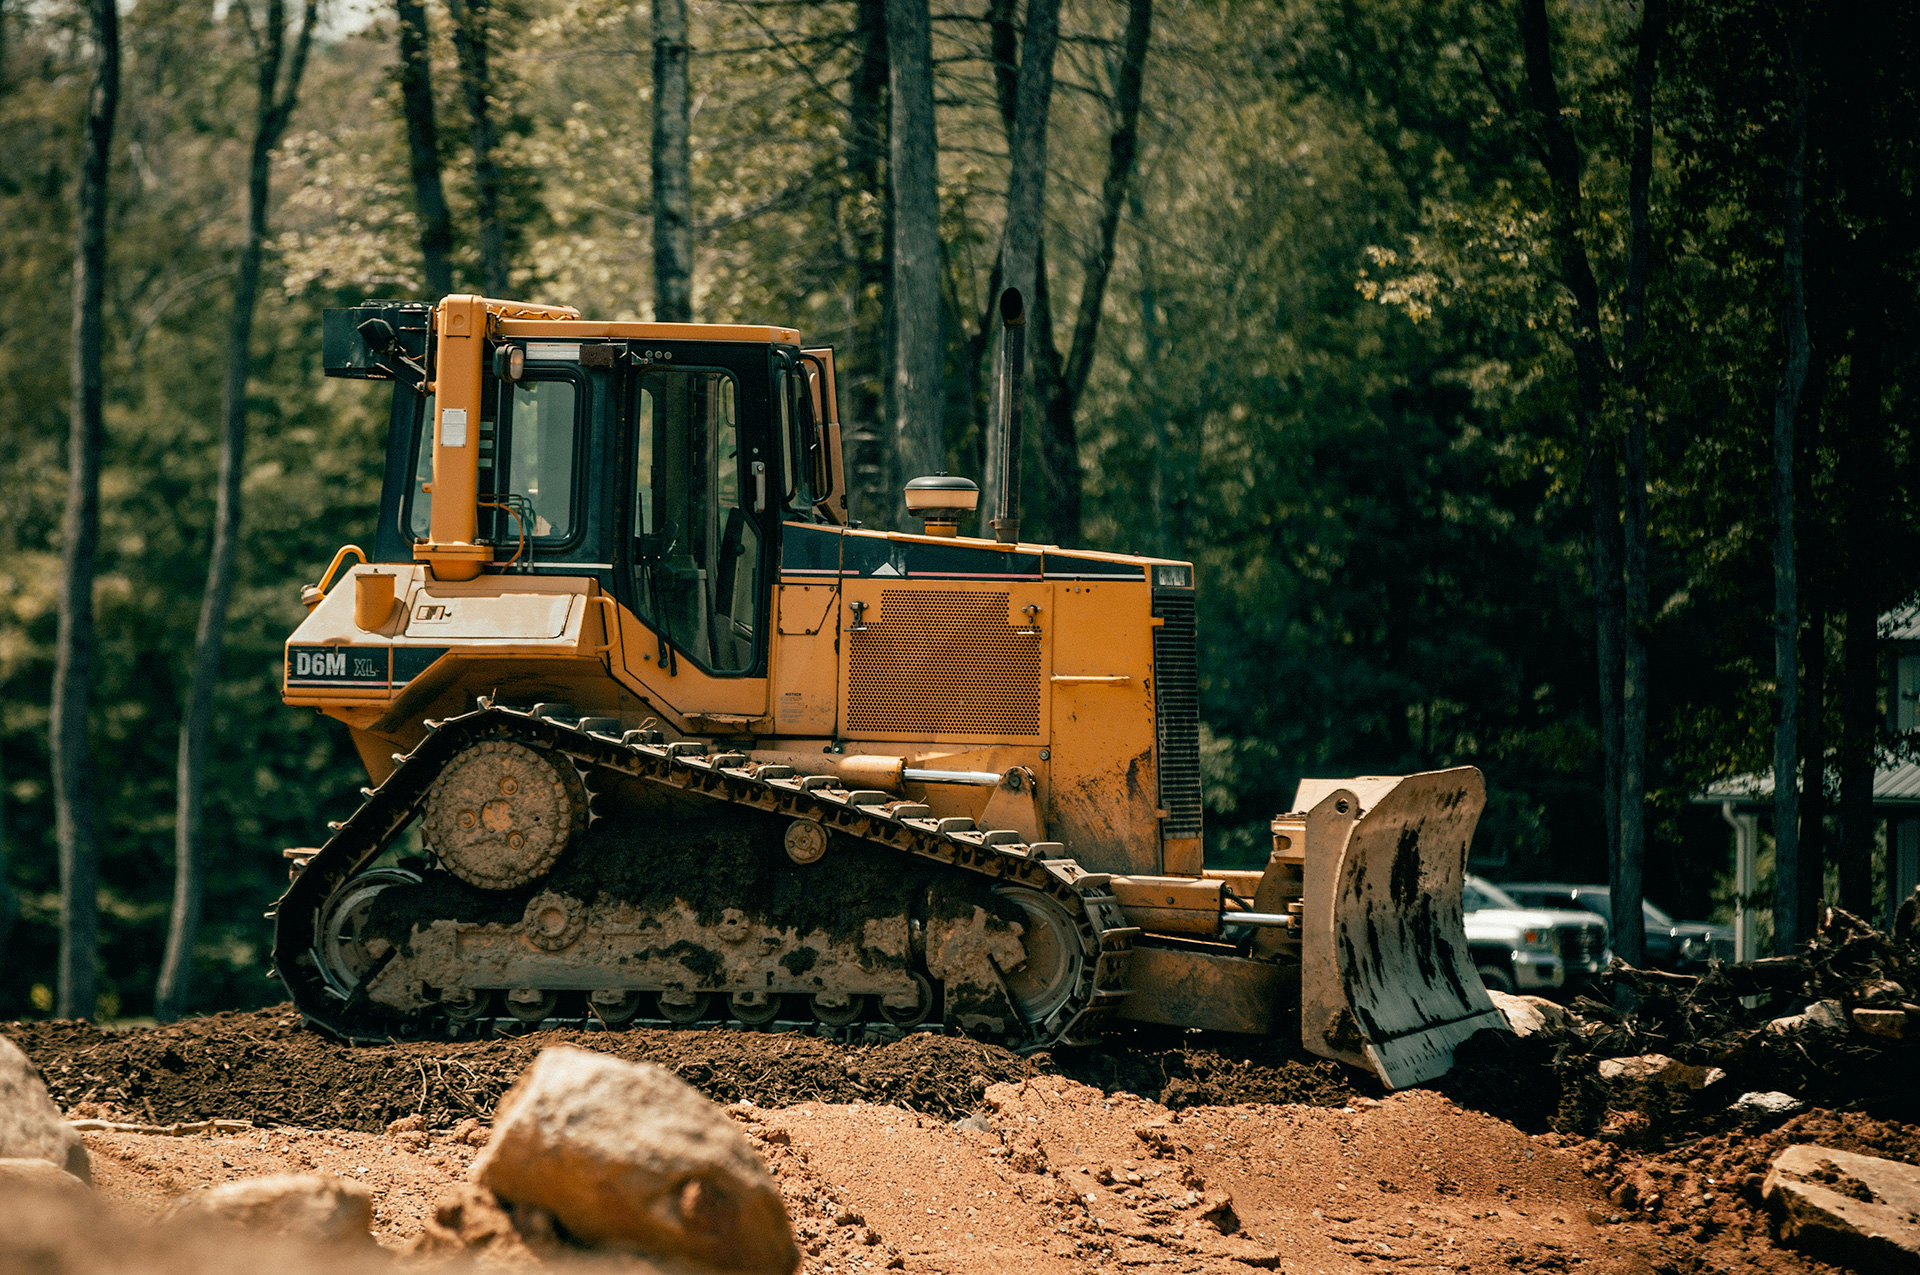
940	499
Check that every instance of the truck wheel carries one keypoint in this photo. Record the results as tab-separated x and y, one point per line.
1496	977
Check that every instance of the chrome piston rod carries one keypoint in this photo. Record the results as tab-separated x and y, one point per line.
974	778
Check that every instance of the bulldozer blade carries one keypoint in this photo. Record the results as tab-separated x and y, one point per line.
1387	981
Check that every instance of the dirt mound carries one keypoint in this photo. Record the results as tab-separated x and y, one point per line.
267	1067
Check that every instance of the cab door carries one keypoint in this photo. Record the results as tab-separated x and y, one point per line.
694	564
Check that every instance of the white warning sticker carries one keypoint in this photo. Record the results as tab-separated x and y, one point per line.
453	427
554	351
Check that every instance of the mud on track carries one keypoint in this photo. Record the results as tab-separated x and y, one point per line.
266	1067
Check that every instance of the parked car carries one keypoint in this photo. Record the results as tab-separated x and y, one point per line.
1671	945
1531	949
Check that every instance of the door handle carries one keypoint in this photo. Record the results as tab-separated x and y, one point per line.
759	486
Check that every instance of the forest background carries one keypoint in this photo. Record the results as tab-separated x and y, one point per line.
1344	360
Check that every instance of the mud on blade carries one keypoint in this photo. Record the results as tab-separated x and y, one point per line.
1387	981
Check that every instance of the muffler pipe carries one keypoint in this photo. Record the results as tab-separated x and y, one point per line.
1013	345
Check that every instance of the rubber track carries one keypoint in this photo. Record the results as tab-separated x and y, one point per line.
1105	937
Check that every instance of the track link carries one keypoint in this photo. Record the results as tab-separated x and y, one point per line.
1106	940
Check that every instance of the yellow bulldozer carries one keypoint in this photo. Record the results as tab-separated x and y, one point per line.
657	734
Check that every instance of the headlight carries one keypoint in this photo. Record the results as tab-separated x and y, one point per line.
1537	940
1172	575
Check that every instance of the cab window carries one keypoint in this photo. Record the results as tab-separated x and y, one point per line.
539	449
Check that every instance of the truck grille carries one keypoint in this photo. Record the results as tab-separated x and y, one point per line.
1582	947
1176	712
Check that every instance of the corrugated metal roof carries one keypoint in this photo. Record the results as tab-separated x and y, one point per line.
1892	786
1902	624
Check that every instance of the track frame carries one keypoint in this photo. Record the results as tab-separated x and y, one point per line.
1105	938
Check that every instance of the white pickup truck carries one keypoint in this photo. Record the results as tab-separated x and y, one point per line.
1524	949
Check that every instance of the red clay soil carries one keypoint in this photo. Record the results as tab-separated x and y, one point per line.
1039	1172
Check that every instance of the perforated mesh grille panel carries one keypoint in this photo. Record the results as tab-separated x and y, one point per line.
1176	712
941	662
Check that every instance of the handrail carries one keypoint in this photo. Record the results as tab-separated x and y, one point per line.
326	577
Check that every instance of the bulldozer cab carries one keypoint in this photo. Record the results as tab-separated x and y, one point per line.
664	467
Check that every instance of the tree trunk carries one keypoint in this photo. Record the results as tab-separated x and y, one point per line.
1604	552
672	173
9	901
1591	371
276	97
1159	434
1026	203
73	655
415	76
472	42
1812	727
1059	381
919	437
865	395
1626	887
1790	924
1863	466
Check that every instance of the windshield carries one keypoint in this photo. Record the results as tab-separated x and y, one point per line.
1479	895
1600	903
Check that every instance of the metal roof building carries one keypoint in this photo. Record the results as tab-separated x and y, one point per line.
1743	799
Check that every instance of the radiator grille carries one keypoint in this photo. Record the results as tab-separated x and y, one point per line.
1176	712
942	662
1582	947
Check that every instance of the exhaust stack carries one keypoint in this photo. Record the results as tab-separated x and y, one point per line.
1013	337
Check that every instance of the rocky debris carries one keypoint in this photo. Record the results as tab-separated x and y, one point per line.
1858	1208
317	1207
1658	1069
1835	1024
31	1127
1821	1016
1894	1023
1528	1014
1766	1106
627	1155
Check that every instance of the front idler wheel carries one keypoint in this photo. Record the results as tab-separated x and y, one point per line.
349	949
1049	976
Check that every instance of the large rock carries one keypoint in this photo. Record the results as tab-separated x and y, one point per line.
1768	1105
629	1155
31	1127
307	1206
37	1177
1658	1069
1528	1014
1859	1209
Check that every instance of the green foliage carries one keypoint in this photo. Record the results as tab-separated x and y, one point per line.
1333	373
